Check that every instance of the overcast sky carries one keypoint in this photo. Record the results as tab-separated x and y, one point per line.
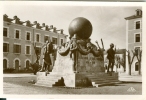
108	22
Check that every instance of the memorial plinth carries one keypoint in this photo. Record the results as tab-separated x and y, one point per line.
79	63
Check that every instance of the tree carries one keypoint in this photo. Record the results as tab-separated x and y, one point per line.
130	61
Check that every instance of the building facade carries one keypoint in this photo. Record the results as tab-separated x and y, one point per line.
134	39
19	37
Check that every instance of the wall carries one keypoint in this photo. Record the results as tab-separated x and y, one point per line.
10	56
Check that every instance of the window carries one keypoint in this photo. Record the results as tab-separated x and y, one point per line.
61	41
37	37
27	49
4	63
28	36
137	37
17	34
17	48
138	13
5	47
137	50
46	38
136	66
5	32
54	40
138	25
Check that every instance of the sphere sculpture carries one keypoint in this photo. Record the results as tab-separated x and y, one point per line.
81	27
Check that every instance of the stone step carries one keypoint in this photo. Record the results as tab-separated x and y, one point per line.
102	79
104	84
99	76
46	85
48	79
50	76
56	75
96	79
110	78
101	82
48	82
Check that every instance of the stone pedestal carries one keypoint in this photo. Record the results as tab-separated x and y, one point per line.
90	72
67	80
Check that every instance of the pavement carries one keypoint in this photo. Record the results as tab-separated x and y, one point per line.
20	75
130	78
20	84
122	77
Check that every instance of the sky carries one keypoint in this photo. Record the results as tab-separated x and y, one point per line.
107	21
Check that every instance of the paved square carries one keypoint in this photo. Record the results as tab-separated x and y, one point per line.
19	84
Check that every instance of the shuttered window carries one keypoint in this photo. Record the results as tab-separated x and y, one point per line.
37	37
27	36
27	49
17	34
137	38
17	48
5	47
54	40
138	25
5	32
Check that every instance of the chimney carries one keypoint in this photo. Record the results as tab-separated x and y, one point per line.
54	29
47	28
15	17
35	22
5	17
43	25
61	31
51	26
138	12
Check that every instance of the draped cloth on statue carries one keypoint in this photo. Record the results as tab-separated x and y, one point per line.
47	51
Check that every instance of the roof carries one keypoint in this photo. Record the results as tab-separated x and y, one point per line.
133	17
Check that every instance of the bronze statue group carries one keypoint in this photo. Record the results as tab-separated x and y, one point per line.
49	49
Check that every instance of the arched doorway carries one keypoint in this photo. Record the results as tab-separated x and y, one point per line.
4	64
27	64
17	64
136	66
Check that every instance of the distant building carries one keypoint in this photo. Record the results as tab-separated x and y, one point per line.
134	38
18	39
120	61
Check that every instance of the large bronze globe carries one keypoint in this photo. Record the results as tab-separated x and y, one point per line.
81	27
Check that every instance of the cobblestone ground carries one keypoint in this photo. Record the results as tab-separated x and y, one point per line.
21	85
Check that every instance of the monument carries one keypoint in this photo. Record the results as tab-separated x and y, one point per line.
79	63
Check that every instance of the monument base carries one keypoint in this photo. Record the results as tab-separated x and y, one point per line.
76	79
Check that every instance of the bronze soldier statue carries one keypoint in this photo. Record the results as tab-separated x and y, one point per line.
47	59
111	57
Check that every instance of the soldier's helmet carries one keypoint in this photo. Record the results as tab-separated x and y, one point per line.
111	45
